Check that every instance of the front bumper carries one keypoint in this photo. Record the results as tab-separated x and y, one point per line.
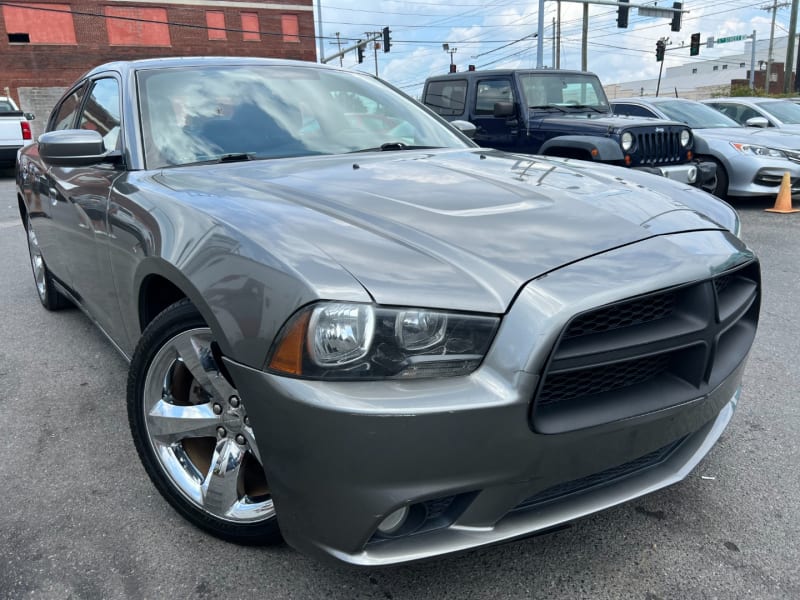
341	456
694	173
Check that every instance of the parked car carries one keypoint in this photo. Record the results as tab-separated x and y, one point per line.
750	161
562	113
382	341
759	112
15	131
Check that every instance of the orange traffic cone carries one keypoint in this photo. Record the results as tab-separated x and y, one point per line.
783	203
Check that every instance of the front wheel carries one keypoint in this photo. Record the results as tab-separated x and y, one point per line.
192	431
717	185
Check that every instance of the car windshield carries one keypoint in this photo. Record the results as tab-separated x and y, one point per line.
563	90
783	110
215	114
695	115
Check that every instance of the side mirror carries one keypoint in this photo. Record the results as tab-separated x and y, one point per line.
73	148
465	127
503	109
29	116
757	122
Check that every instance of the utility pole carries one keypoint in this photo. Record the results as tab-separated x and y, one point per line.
558	35
338	43
321	39
554	44
540	37
774	8
585	39
787	66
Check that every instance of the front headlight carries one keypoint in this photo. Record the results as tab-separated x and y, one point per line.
627	141
759	150
686	137
351	341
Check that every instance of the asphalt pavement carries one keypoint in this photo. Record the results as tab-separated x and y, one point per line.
79	518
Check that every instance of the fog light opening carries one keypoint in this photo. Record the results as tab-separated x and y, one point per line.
394	521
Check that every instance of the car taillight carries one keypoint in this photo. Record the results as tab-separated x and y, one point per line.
26	130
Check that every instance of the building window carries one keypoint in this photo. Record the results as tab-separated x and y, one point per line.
290	28
215	21
716	68
724	67
694	71
137	26
741	65
250	30
38	26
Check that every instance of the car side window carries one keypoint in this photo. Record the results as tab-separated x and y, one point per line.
632	110
64	116
490	91
448	98
101	111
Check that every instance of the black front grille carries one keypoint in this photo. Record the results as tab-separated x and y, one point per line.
648	353
625	314
659	147
603	478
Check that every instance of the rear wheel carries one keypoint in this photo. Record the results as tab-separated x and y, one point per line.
192	431
49	296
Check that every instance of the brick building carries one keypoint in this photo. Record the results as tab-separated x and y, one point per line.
45	46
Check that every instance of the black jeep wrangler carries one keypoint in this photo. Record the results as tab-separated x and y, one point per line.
562	113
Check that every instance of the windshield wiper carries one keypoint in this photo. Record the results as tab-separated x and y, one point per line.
589	106
394	146
544	106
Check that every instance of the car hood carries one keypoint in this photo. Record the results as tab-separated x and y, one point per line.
752	135
597	122
460	229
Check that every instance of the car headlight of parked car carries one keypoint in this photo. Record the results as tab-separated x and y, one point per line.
627	141
686	138
352	341
759	150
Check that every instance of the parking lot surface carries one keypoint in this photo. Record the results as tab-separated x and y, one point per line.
80	518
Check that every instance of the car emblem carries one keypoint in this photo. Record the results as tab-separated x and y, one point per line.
659	130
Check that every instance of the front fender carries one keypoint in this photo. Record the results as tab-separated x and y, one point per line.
600	149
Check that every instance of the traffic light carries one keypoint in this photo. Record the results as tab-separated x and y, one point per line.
360	50
694	47
622	14
676	16
387	41
661	46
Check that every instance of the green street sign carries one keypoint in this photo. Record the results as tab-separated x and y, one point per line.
732	38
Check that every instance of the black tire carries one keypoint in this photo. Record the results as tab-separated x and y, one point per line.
192	433
49	296
719	184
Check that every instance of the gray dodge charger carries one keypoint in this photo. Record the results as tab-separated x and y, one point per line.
350	327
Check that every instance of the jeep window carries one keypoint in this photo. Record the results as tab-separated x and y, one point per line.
632	110
490	91
563	89
447	98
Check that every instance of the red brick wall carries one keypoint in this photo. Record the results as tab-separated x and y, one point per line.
44	65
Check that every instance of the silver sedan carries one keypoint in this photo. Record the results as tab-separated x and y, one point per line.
750	161
759	112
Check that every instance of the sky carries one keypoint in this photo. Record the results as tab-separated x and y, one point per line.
497	34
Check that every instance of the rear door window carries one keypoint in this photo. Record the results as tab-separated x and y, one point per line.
490	91
447	98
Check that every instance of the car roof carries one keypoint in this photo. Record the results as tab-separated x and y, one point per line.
511	71
648	100
126	66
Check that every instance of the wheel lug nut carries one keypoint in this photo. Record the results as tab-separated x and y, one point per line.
240	439
221	432
217	409
234	401
247	421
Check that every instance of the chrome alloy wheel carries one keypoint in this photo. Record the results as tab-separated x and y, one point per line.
200	434
37	262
